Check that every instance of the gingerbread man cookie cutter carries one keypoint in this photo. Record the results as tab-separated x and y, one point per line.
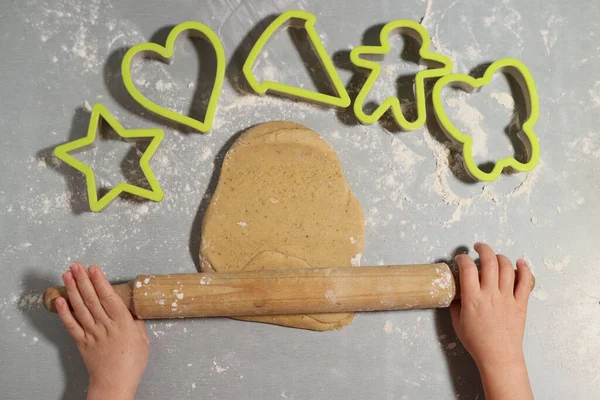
297	19
166	53
99	114
427	58
522	76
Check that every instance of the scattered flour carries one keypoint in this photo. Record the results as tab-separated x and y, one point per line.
488	21
473	52
404	157
595	94
526	186
472	119
504	99
27	301
557	263
427	14
550	38
143	209
457	214
540	294
163	86
388	327
206	154
217	367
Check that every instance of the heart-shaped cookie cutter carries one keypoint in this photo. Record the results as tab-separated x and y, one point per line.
428	58
523	77
297	19
99	114
166	53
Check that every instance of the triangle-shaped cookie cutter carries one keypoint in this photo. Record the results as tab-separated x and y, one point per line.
297	19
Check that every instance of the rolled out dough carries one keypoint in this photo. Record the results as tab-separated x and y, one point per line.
282	202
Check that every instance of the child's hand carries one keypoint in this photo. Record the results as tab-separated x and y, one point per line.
490	321
113	345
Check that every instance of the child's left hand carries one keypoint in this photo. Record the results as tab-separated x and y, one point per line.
114	346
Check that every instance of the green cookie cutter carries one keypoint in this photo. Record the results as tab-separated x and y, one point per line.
99	113
166	52
523	77
415	30
297	19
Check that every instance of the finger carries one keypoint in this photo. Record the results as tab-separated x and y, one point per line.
88	293
81	311
469	276
524	282
489	266
110	301
455	315
68	320
507	275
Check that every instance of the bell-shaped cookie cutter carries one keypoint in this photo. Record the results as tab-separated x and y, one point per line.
166	53
297	19
428	58
523	77
99	113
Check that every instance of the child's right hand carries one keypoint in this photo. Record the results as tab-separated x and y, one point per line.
490	321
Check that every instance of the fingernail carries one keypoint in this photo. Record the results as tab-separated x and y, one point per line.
66	275
74	267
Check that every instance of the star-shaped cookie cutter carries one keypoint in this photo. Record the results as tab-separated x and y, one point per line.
428	58
99	113
166	53
523	77
297	19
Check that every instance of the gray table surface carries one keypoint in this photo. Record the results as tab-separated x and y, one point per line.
61	56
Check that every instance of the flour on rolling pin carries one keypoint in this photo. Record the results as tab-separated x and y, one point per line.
440	287
291	292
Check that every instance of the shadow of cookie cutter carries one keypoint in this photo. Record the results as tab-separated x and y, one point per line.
415	30
523	77
99	113
166	53
297	19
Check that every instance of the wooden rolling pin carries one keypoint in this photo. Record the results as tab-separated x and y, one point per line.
299	291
